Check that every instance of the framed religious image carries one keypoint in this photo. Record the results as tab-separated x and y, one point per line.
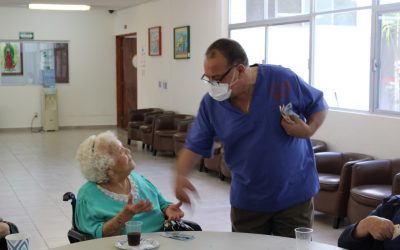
11	58
155	41
182	42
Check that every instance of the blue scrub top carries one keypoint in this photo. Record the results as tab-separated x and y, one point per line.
270	170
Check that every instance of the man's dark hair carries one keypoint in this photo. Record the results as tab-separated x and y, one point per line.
230	49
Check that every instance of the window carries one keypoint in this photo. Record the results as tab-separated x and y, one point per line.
354	61
342	60
389	58
283	51
242	11
253	42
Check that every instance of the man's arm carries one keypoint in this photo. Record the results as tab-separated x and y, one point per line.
187	159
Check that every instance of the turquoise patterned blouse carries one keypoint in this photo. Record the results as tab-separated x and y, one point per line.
94	207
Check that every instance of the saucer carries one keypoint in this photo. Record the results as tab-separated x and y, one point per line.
145	244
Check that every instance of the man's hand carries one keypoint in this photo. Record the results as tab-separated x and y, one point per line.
296	127
174	212
182	186
379	228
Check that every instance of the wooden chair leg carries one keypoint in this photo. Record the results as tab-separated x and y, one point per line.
336	222
201	166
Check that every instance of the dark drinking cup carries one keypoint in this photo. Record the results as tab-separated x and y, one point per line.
133	229
134	238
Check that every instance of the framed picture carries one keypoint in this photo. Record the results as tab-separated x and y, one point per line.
11	58
182	42
155	41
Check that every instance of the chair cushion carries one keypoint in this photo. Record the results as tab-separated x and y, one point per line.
370	195
135	124
329	182
180	136
167	133
146	128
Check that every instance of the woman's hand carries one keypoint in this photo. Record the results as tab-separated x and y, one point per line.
136	208
173	212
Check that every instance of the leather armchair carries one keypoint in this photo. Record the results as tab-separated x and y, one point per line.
147	129
180	136
136	119
226	173
164	129
319	146
214	163
334	173
371	182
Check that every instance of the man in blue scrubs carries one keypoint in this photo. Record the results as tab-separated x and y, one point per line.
270	156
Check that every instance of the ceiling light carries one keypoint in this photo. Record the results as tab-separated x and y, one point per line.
39	6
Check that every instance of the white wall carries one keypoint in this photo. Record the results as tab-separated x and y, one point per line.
363	133
183	76
89	98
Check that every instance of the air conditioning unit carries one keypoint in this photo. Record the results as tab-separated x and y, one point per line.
49	109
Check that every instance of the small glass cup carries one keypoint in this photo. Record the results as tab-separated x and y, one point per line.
303	238
133	231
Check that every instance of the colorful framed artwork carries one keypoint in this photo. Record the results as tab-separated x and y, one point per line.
182	42
11	58
155	41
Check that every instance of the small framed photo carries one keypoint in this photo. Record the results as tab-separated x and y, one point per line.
155	41
11	58
182	42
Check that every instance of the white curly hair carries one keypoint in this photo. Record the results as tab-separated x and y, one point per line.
94	156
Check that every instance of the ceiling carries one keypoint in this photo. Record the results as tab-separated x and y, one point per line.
98	4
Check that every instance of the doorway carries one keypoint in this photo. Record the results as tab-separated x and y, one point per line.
126	53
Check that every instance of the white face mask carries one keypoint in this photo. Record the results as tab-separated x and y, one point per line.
222	91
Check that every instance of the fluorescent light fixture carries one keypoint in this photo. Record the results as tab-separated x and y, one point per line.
40	6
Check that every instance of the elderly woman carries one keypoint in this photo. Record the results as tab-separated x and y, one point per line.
114	194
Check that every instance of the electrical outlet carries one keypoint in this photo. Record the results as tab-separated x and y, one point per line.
35	115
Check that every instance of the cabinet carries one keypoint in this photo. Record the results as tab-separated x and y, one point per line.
49	109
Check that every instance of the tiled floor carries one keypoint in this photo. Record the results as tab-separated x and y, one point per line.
36	169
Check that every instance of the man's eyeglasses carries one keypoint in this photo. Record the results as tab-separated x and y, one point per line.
216	82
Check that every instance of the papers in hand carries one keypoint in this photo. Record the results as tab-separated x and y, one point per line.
287	112
396	231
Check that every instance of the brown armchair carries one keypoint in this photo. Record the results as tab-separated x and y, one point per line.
334	173
372	181
214	163
136	119
180	137
226	173
147	129
319	146
164	129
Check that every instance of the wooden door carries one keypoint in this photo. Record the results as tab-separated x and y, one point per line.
126	79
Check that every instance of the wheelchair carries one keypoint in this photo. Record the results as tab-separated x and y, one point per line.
74	235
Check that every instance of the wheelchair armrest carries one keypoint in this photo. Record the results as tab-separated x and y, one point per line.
193	224
76	236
